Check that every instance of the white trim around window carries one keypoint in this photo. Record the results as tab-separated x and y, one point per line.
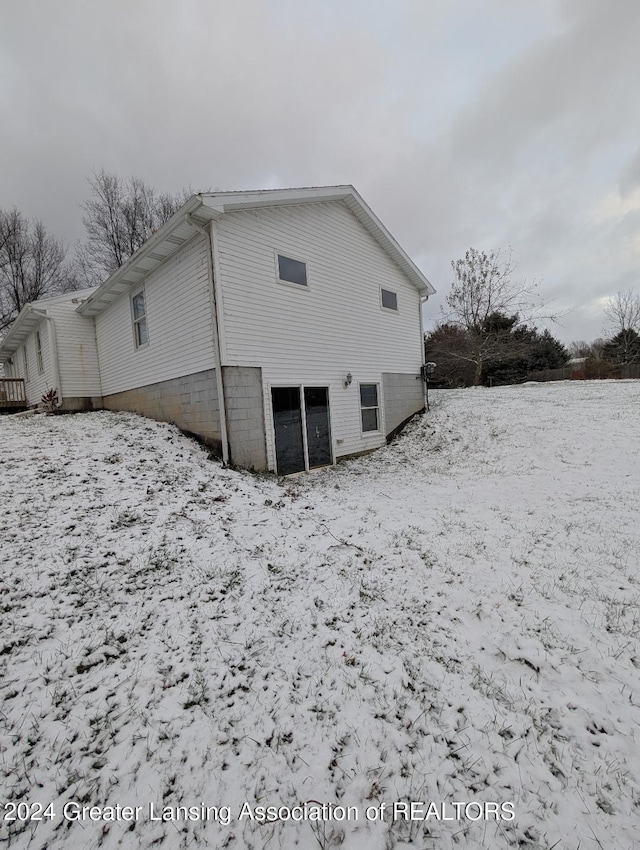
39	359
370	414
139	322
293	271
388	300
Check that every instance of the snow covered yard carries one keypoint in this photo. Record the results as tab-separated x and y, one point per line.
453	619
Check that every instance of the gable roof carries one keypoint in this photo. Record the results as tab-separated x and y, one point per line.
30	316
209	206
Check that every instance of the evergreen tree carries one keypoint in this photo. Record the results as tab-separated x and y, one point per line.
624	348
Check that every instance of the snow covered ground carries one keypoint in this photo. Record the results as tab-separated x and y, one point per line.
452	620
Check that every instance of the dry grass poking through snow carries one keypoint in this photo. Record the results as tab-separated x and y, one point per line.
454	618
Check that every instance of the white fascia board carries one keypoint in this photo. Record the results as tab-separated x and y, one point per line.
31	314
72	295
383	237
210	206
27	319
223	202
229	201
163	243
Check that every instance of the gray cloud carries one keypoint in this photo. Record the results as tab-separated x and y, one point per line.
462	124
630	176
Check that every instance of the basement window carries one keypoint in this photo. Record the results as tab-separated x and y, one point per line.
139	315
292	271
389	299
369	408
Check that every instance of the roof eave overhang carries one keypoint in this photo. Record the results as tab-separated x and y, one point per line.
27	320
234	201
379	232
206	207
176	232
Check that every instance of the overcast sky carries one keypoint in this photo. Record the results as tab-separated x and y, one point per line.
481	123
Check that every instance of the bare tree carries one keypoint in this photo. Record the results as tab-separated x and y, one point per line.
118	219
587	350
622	312
622	322
484	288
32	265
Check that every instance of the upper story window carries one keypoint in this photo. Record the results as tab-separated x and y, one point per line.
369	407
139	315
389	299
39	359
292	271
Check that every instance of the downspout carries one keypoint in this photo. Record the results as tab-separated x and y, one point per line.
55	363
423	300
211	264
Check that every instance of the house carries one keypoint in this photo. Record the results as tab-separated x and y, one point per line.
282	326
51	346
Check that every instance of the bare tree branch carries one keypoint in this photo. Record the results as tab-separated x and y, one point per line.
32	265
622	312
622	323
118	219
484	287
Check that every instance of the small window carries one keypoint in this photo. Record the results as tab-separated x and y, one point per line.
369	408
39	353
389	300
292	271
139	308
26	363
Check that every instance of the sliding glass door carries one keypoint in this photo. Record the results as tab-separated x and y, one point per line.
302	428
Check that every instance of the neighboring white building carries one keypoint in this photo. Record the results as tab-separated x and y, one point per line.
282	326
51	346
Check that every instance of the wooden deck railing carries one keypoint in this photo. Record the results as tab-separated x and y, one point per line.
12	393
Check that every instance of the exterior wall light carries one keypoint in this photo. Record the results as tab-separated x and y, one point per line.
347	380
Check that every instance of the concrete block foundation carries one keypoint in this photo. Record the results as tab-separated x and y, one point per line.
403	397
81	403
245	416
190	402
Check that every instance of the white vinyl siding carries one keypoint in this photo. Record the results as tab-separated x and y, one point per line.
179	324
77	351
77	355
35	382
336	328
